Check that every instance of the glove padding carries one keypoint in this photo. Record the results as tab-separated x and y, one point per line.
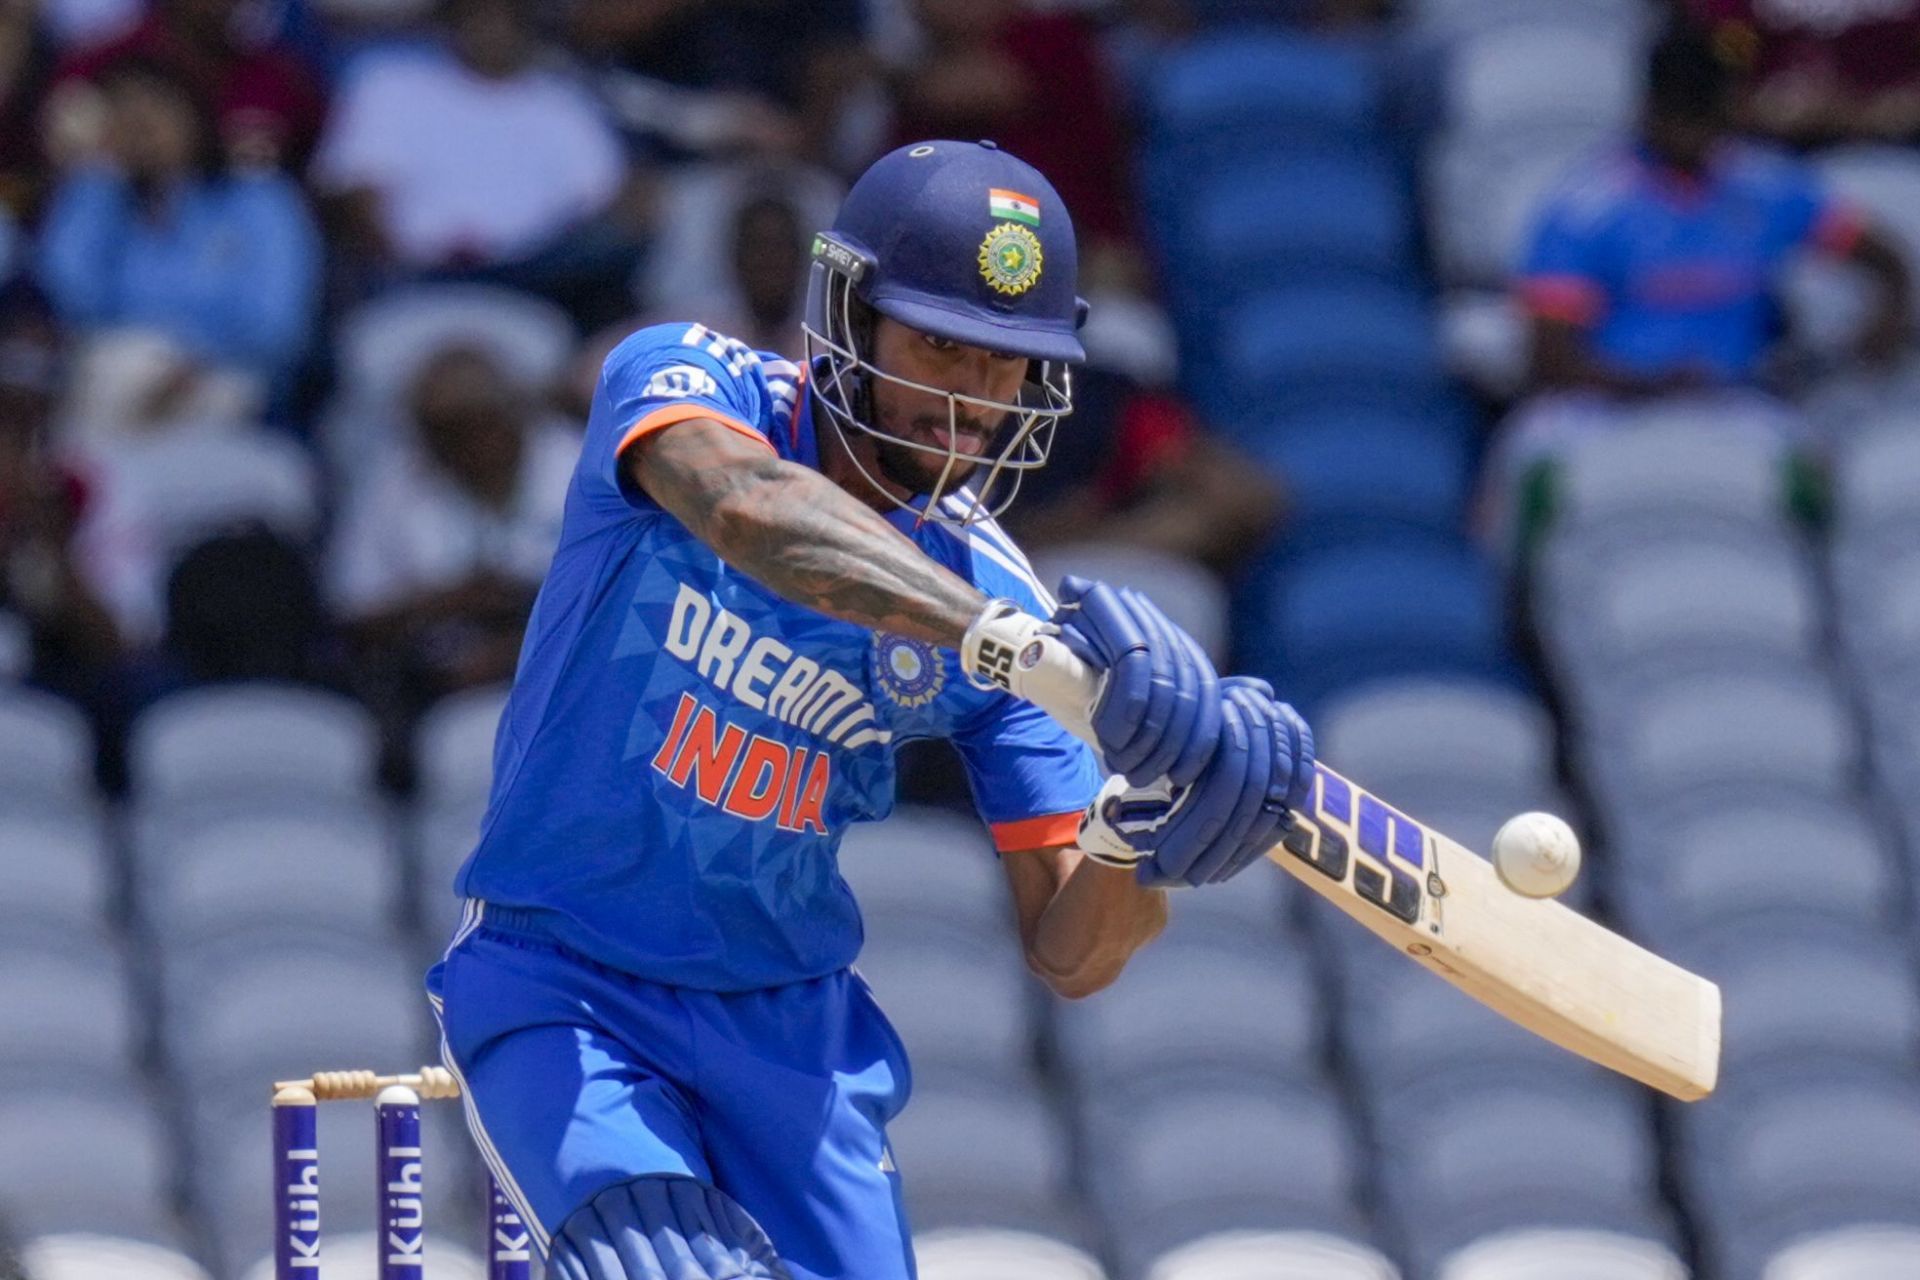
1159	714
1237	809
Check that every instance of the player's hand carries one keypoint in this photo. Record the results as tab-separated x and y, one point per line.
1159	714
1241	802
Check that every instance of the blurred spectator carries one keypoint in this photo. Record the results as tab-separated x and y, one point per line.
26	64
763	294
1651	273
1034	83
1131	466
436	560
474	159
268	106
772	75
150	232
1823	71
245	605
73	637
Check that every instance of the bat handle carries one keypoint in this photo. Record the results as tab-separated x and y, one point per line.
1053	678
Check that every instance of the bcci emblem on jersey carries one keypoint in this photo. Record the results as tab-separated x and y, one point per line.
910	671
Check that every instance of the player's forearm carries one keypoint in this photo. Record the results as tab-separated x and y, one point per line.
1095	922
801	535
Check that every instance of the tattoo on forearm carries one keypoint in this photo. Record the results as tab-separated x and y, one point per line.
801	535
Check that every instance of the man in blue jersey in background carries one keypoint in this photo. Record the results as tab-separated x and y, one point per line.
768	577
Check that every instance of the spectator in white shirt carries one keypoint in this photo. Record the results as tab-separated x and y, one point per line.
479	160
436	559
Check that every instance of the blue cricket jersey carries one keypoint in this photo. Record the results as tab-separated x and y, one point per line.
1665	270
683	749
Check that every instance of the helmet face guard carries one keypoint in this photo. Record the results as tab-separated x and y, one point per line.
843	377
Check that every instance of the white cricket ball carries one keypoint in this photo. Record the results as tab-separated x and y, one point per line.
1536	854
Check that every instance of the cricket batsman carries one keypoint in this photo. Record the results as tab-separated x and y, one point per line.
770	576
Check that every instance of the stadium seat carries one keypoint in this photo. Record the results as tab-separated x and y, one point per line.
1272	1255
1289	343
46	748
1539	75
1877	583
1263	1157
1185	1009
1708	457
321	862
383	343
1464	732
1001	1255
1876	476
1564	1151
1363	470
1694	730
1549	1254
442	838
1248	86
1186	591
1803	1156
1370	611
284	1002
245	738
922	859
1799	999
85	1256
1290	217
1753	600
54	865
1450	20
956	996
975	1157
1407	1034
453	745
1849	1253
1484	194
86	1161
65	1000
1678	872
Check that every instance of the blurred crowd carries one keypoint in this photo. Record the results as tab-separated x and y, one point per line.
216	216
304	299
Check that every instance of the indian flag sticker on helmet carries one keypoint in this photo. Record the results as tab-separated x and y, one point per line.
1013	206
1010	259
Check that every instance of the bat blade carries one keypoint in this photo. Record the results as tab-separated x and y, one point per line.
1536	962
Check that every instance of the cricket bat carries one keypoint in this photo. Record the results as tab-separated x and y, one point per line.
1536	962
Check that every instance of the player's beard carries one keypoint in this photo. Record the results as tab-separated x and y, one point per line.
919	470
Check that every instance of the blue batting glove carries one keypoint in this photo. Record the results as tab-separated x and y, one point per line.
1235	812
1159	714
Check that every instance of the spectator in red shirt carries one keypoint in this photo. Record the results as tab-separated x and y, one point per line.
268	105
1823	71
1034	83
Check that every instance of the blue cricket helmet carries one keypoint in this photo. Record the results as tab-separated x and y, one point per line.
969	243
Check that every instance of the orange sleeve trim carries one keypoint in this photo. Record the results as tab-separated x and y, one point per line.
1838	230
1048	832
668	415
1572	299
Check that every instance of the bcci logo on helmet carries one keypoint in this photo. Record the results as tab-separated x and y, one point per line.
910	671
1010	259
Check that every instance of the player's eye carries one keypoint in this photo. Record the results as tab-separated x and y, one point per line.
942	345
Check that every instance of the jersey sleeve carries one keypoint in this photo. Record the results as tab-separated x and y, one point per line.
1563	275
1805	212
660	376
1031	779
